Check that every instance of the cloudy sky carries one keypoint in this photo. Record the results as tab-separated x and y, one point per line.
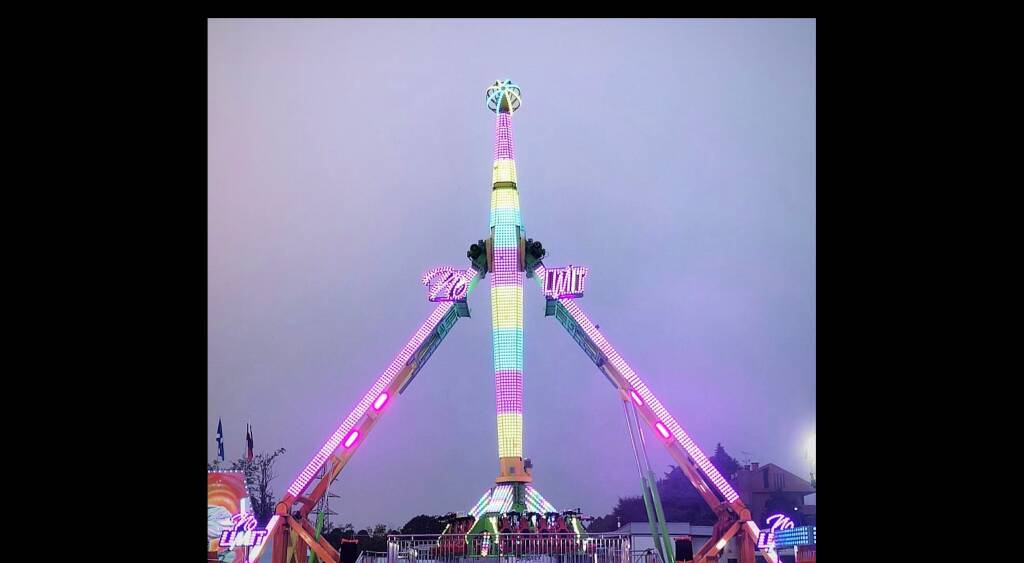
676	159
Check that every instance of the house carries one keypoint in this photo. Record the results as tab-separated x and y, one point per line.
769	489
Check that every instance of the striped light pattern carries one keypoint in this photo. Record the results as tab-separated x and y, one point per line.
507	293
781	539
501	499
382	383
498	499
653	403
535	502
478	508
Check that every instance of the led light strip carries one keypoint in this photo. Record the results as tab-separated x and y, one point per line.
318	461
371	396
501	499
478	509
375	398
666	426
535	502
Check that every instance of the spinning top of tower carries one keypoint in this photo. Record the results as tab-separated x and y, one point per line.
504	96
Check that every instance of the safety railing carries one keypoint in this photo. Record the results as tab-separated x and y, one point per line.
509	548
644	556
372	557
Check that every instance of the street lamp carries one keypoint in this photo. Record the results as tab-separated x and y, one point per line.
811	453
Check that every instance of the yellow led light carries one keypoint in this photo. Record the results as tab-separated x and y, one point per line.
504	170
506	306
508	198
510	435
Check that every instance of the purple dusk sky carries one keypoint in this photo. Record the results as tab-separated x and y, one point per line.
675	159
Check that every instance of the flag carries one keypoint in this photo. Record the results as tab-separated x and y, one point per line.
220	440
248	441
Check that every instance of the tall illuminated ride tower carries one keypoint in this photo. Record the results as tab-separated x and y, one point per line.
507	286
505	254
508	256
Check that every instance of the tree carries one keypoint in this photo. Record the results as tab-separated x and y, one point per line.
424	524
606	523
335	535
725	463
630	509
680	501
258	474
374	539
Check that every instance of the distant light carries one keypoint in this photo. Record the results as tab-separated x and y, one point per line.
721	544
662	430
636	398
351	438
380	401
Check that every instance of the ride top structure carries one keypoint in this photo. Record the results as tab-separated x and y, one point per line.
507	256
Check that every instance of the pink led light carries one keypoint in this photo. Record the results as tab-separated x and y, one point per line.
503	138
382	383
509	391
447	283
564	282
380	401
636	399
662	430
514	277
653	403
351	438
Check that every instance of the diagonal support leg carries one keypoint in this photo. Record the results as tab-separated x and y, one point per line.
711	485
746	546
325	553
751	531
361	419
715	545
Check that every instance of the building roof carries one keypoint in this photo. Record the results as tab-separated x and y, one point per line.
753	480
674	529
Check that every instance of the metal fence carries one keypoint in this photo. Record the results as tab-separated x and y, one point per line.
509	548
372	557
644	556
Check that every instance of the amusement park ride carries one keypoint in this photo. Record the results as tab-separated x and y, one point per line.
513	503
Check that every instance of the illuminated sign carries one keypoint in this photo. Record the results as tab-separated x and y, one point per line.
779	539
445	283
242	532
563	283
779	522
776	523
